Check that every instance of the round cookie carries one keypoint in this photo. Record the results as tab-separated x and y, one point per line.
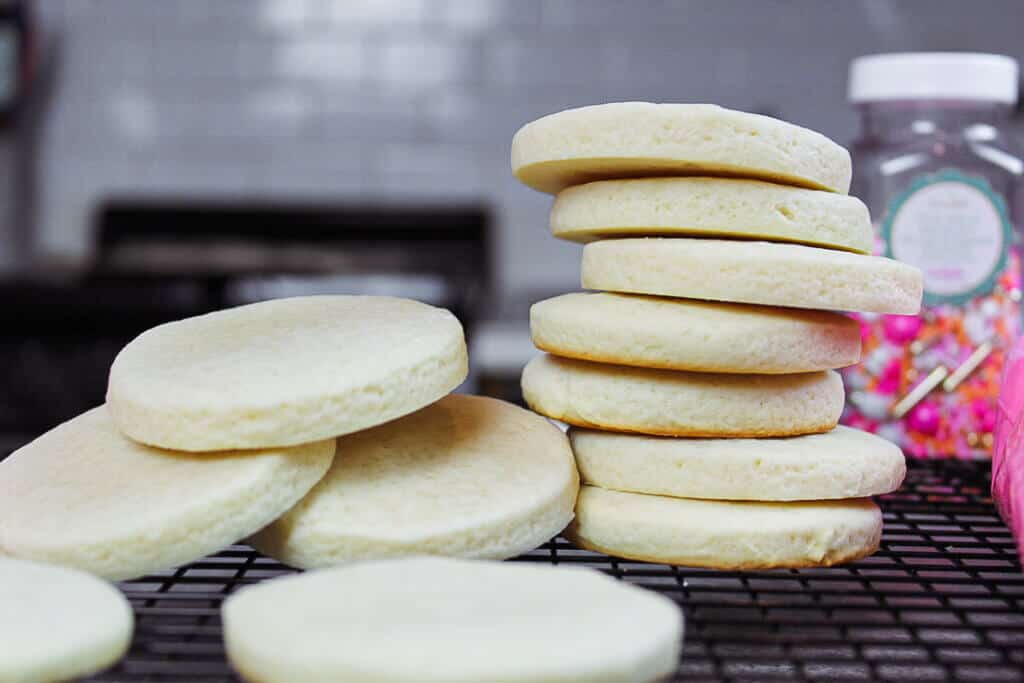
467	476
284	372
681	334
637	139
85	496
842	463
725	534
724	207
58	624
433	620
677	403
763	273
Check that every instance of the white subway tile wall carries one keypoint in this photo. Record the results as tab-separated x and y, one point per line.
418	99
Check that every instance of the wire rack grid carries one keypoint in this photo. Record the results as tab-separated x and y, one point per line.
941	601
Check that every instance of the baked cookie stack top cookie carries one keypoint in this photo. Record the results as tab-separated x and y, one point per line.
722	243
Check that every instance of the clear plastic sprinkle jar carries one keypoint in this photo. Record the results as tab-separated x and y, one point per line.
936	166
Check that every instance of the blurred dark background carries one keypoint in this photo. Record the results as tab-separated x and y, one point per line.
161	158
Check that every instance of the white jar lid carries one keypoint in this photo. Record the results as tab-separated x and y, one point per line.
933	75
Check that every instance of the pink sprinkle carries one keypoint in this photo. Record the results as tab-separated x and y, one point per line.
900	329
889	380
924	418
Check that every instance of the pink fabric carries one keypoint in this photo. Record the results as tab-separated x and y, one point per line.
1008	448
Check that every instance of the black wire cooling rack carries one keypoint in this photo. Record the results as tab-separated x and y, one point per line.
941	601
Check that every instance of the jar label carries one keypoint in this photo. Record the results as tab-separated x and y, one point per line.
955	228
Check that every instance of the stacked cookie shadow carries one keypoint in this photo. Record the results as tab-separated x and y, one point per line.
700	381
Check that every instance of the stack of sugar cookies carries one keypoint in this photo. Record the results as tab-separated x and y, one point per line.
700	383
224	427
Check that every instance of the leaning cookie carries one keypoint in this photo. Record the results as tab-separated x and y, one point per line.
85	496
465	477
284	372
